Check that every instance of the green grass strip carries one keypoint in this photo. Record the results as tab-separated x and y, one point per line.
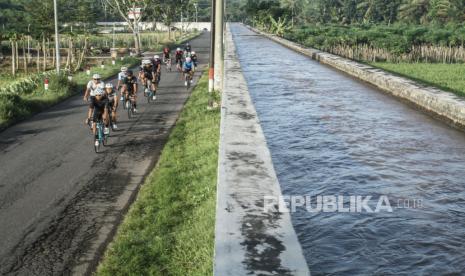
449	77
169	229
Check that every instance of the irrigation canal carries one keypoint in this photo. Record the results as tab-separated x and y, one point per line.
332	135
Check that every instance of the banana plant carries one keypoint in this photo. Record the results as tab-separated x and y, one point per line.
279	27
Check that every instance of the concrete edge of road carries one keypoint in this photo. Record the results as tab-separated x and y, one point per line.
438	103
249	240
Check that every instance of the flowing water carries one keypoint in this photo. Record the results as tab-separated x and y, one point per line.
332	135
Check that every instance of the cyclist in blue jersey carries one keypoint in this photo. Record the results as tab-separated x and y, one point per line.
187	68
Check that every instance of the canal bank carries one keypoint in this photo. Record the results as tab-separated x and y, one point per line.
438	103
248	239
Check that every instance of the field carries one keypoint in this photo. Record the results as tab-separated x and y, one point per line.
450	77
169	230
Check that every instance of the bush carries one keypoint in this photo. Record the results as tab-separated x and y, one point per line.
11	107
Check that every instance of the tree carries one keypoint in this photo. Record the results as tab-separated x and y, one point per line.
441	10
414	11
124	7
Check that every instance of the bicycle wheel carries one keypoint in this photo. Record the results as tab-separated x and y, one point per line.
96	148
104	139
188	80
99	133
149	97
110	120
130	109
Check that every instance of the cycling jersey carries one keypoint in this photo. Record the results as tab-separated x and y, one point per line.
99	108
111	96
130	83
179	55
156	63
93	86
188	66
188	48
121	76
194	59
147	71
166	52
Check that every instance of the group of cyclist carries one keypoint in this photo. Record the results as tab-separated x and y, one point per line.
103	99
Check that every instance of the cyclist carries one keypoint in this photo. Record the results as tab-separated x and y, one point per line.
166	54
179	56
187	69
145	72
91	87
130	86
194	58
110	93
100	106
188	48
156	66
121	76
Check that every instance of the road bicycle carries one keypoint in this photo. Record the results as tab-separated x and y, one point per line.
188	78
100	138
130	106
148	92
168	65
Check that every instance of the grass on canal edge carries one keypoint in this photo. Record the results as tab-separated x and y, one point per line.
169	229
449	77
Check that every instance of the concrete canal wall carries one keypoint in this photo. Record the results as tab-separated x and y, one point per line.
439	103
248	239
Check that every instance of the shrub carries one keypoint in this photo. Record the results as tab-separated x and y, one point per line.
11	106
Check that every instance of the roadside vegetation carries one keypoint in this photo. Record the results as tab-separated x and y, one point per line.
19	98
169	229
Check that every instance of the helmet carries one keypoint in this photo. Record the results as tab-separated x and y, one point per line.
109	85
124	69
129	72
96	76
178	49
187	44
193	52
156	57
188	59
98	92
145	61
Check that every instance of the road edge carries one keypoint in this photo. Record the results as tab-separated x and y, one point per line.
438	103
249	240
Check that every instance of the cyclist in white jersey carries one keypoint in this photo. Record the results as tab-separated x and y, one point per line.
121	76
91	88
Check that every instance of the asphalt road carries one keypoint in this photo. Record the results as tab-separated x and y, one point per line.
60	202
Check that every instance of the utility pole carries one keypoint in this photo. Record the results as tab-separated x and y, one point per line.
196	5
113	44
211	71
57	42
219	58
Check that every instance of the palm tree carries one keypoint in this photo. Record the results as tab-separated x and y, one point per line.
414	11
368	8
